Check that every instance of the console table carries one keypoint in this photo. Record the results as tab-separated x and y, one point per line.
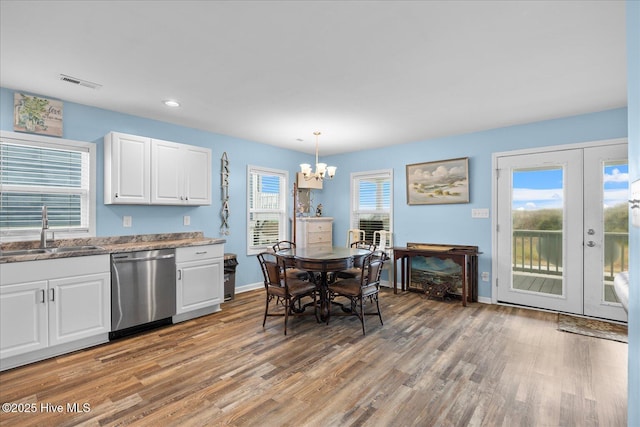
465	256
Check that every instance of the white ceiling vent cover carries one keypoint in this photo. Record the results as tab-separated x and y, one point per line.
79	82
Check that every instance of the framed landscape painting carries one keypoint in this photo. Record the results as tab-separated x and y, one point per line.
444	181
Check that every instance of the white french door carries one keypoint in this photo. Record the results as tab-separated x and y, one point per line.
561	231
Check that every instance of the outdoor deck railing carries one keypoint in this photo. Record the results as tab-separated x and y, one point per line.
538	251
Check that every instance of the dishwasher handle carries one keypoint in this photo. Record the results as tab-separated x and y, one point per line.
125	258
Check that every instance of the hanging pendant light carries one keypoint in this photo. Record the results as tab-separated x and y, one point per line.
322	170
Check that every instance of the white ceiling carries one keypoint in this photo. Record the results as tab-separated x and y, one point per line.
364	73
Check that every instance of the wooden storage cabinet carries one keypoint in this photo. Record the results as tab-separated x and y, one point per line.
141	170
314	232
48	306
200	279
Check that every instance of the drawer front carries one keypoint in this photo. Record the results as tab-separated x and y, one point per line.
193	253
320	245
318	227
319	238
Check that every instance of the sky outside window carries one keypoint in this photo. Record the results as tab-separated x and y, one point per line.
535	189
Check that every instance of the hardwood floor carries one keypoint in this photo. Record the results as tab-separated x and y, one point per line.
433	363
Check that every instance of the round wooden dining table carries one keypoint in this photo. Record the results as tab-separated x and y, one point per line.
323	261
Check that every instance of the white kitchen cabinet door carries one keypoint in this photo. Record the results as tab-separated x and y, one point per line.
23	318
180	174
167	180
197	175
79	307
127	169
199	284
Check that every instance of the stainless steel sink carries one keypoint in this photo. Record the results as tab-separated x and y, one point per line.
73	249
23	252
59	250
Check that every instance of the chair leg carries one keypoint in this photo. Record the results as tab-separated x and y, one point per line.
379	313
266	309
362	314
315	306
287	301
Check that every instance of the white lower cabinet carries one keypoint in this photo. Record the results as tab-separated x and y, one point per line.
24	325
50	307
200	280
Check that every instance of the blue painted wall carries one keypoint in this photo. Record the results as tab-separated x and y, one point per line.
453	223
428	223
84	123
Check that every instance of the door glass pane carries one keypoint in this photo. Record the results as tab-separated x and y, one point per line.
616	224
537	224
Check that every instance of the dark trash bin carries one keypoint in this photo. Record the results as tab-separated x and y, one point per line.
230	264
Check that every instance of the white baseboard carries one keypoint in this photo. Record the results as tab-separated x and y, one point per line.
387	284
249	287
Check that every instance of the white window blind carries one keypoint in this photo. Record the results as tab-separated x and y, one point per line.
266	200
372	201
32	175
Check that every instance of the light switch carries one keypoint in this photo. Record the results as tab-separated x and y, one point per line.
186	220
126	221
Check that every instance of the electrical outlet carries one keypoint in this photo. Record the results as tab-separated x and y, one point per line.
485	276
126	221
480	213
186	220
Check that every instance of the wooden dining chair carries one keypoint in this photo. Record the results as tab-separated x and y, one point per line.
292	272
354	235
286	291
365	288
354	272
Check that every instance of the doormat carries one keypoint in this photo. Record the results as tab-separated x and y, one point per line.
592	328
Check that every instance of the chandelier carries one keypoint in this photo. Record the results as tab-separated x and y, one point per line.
322	170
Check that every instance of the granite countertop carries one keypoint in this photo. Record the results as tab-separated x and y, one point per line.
106	245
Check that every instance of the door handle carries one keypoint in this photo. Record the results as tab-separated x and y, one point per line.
591	243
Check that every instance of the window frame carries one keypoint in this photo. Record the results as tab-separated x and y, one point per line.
354	196
64	144
281	211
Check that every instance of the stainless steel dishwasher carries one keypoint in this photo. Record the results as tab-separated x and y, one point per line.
143	290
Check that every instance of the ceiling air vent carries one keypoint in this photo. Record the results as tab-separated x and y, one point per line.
79	82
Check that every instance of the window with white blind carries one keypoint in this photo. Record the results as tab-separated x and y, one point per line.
267	207
372	201
39	171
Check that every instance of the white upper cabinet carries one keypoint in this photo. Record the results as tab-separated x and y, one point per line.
127	176
163	173
181	174
197	175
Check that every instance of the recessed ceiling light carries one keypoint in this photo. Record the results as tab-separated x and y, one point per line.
171	103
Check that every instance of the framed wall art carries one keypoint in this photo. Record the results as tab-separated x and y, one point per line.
433	183
37	115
